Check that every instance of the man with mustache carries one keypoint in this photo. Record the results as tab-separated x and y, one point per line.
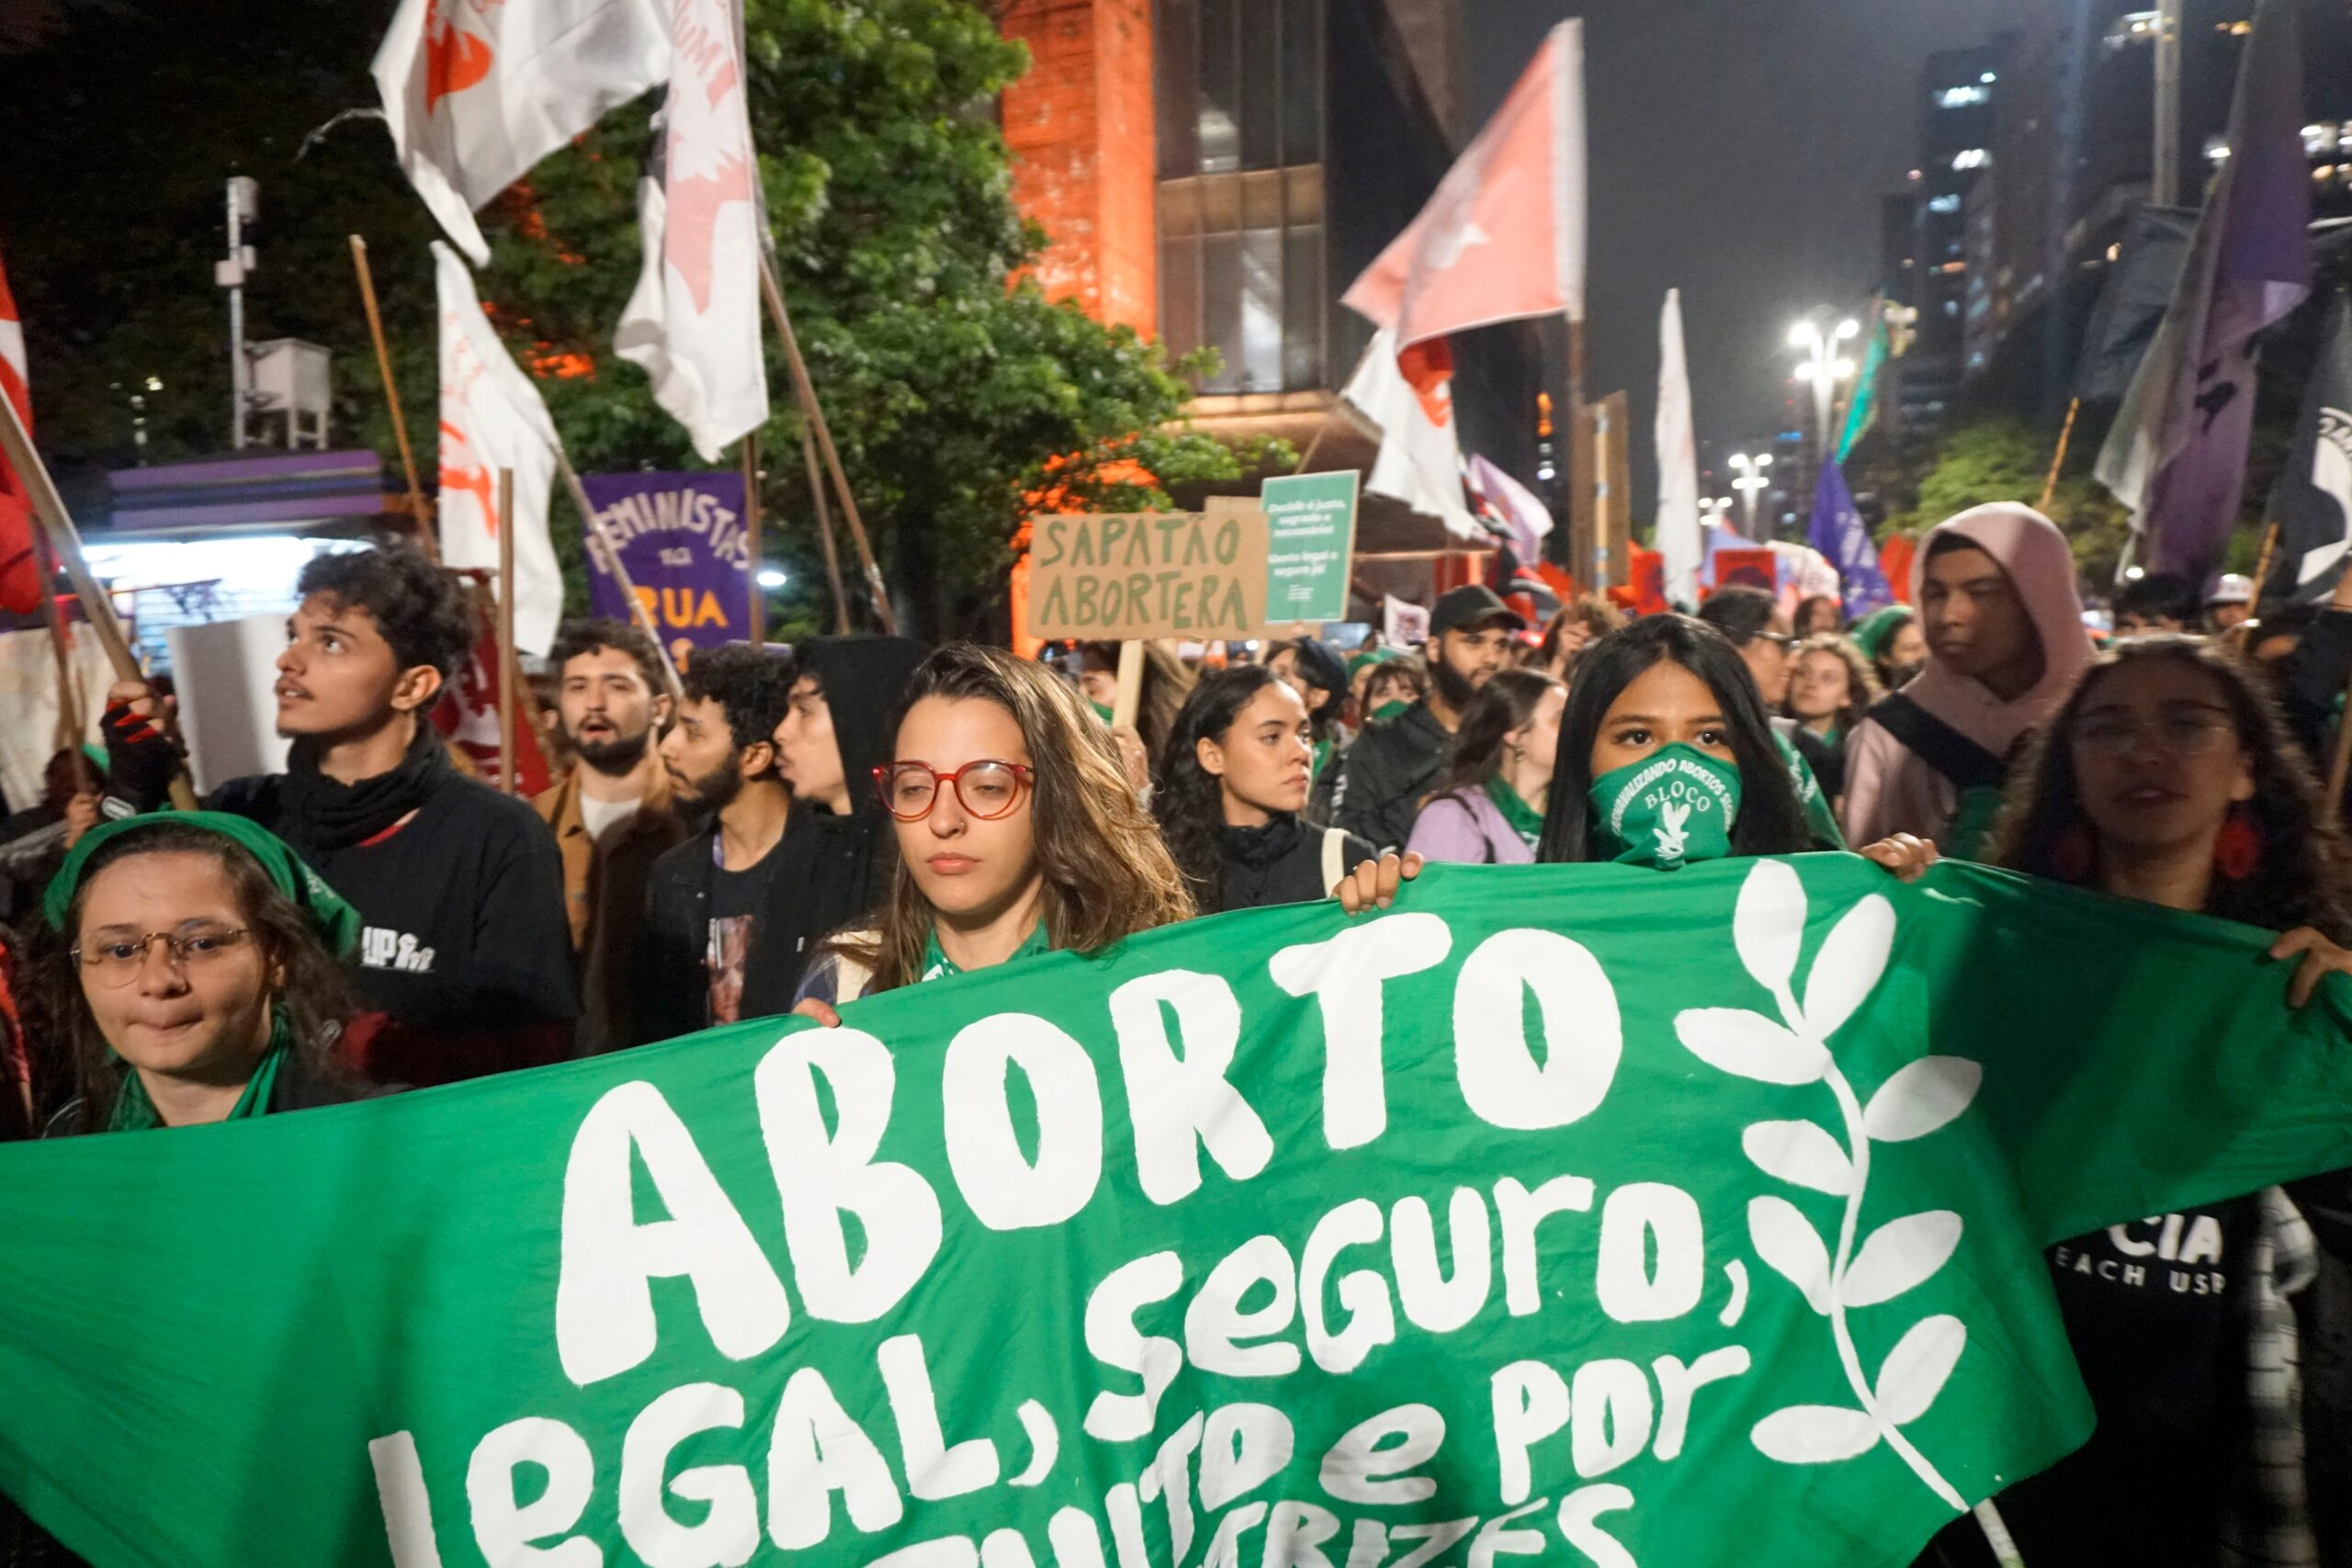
611	814
1382	776
465	961
704	897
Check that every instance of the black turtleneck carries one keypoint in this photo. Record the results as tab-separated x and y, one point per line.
1280	863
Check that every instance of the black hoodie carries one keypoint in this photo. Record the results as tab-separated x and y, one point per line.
834	869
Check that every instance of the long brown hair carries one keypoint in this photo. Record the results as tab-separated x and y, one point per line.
2302	878
1107	874
309	990
1505	702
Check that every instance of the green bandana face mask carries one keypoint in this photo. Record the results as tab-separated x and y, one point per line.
1102	711
1387	711
1674	807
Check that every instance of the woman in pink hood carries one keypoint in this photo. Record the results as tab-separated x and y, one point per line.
2006	643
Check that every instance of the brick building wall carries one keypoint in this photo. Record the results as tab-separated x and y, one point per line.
1080	127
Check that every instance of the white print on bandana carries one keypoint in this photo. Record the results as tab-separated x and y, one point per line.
1681	799
381	948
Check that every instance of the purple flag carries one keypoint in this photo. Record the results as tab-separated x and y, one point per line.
2176	455
1838	534
681	538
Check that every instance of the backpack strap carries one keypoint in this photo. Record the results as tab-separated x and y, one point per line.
1335	857
1942	748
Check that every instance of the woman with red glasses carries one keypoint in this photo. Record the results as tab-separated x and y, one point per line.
1017	834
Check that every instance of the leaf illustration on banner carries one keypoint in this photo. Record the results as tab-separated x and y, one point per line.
1848	966
1914	1372
1815	1434
1769	922
1900	1255
1921	1097
1799	1153
1785	1239
1767	929
1749	1045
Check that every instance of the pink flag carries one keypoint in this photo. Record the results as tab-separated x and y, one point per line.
1503	238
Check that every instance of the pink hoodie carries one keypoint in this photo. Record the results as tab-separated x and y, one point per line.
1890	788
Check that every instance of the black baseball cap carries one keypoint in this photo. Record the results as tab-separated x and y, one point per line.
1468	605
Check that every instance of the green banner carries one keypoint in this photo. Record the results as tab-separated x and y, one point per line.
1571	1214
1310	540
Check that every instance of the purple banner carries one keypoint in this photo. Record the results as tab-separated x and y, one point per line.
681	538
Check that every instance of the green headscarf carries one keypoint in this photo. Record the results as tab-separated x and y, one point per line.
1871	632
1376	656
336	922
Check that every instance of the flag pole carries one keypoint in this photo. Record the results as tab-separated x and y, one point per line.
65	542
2341	765
2261	573
392	401
751	455
825	529
638	610
806	392
2066	435
508	667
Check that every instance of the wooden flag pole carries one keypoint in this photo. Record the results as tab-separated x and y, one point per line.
16	445
509	668
1130	697
2342	764
825	530
639	611
2066	435
417	508
2261	578
806	392
751	455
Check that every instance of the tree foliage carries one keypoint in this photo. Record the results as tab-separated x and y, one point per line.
953	386
2002	458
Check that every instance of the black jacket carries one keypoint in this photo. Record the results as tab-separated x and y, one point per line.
835	869
1282	863
1383	775
464	953
672	983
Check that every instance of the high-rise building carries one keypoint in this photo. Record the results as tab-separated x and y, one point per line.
1281	145
1957	92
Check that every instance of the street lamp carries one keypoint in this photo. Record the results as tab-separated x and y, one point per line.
1751	483
1823	369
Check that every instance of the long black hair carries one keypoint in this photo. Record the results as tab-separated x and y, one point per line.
1506	703
1771	821
2301	877
1190	800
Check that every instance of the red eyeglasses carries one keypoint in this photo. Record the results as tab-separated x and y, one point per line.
986	789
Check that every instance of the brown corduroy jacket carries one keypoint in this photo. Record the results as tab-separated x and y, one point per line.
603	888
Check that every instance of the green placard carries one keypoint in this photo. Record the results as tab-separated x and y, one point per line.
1310	538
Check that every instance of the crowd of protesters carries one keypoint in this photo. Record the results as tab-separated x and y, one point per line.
792	830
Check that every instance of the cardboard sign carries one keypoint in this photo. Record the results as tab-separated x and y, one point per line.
1108	577
1310	540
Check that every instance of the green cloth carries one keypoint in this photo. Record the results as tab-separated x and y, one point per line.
937	966
1323	749
1700	1213
1374	656
1387	711
336	922
1869	634
1524	820
1672	809
1819	819
135	1113
1102	711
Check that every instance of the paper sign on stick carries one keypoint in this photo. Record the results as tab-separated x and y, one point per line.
1310	540
1113	576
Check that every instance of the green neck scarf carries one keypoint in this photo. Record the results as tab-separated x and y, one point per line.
135	1113
937	966
1524	820
1322	758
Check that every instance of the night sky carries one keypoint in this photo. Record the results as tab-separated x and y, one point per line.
1742	163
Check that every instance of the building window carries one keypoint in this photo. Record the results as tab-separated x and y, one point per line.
1961	97
1238	98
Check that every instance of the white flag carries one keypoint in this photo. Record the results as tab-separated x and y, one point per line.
1677	461
477	91
492	418
1410	402
693	321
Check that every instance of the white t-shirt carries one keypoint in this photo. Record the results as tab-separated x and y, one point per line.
601	816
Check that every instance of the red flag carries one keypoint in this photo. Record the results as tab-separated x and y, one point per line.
467	715
20	575
1504	236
